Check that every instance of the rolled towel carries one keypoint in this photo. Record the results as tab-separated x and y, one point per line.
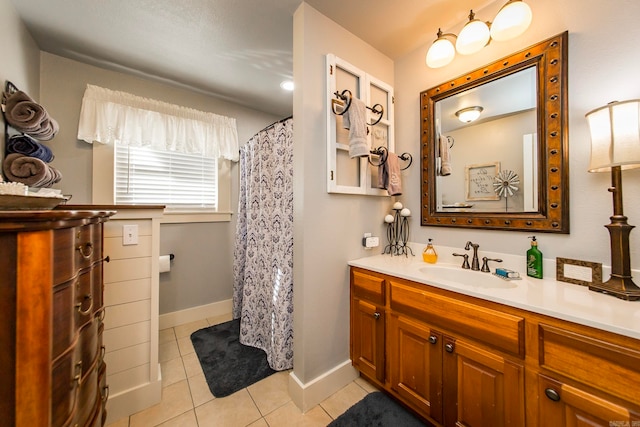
27	116
30	171
27	146
445	156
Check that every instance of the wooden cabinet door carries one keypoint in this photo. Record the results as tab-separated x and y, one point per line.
563	405
488	388
415	365
367	338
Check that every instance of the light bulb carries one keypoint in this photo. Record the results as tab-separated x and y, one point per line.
441	52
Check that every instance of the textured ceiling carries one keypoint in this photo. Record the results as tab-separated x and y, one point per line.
239	50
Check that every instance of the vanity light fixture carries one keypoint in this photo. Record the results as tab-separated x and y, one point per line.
469	114
615	146
512	20
473	37
287	85
441	51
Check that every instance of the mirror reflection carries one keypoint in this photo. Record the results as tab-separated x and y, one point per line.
488	162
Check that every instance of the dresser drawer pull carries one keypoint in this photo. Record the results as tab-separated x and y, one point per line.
433	339
78	374
88	310
103	351
376	315
449	348
105	393
552	394
85	250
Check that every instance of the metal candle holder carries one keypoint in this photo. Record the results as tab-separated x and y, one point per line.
398	233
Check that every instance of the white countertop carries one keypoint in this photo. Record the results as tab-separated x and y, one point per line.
566	301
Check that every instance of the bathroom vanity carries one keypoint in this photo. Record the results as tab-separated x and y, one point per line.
462	347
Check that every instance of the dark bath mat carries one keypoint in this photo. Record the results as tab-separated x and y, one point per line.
228	365
376	410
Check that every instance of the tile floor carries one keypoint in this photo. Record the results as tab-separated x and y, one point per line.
187	401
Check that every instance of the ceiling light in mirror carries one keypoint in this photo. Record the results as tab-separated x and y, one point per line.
469	114
473	36
287	85
441	51
512	20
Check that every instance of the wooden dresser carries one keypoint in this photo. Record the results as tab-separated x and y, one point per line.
51	315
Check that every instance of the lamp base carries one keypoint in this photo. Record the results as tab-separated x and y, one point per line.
619	287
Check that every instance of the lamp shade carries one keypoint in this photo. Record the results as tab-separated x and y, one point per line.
473	36
615	136
512	20
441	52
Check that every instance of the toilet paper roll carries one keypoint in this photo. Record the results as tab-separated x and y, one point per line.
164	264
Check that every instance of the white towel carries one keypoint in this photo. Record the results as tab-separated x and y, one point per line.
445	156
355	119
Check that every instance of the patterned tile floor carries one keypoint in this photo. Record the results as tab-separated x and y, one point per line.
187	401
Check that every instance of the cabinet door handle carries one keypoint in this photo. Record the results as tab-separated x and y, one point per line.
449	348
376	315
433	339
552	394
88	310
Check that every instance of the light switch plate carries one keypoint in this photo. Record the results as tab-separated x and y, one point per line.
129	235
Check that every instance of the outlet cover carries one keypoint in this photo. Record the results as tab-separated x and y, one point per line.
129	235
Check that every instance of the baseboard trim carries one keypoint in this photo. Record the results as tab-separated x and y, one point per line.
128	402
175	318
308	395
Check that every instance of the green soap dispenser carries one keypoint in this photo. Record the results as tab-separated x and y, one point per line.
534	260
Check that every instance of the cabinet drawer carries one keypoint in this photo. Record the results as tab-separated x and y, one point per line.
597	362
63	318
498	329
65	377
367	287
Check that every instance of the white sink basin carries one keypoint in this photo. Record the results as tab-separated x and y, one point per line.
468	278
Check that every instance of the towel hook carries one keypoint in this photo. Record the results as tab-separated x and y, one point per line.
347	96
380	151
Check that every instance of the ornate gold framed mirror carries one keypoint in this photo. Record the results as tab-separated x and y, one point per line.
508	168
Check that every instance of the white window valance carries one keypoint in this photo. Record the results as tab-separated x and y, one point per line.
109	117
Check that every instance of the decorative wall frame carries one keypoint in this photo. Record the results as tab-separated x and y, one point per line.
479	181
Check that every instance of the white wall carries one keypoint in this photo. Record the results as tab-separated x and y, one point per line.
328	228
603	66
19	57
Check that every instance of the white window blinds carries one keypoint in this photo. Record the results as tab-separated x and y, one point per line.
179	181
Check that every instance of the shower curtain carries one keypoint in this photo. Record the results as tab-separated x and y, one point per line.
263	253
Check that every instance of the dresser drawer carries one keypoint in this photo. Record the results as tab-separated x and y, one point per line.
65	378
595	361
87	350
367	286
88	396
75	248
496	328
63	318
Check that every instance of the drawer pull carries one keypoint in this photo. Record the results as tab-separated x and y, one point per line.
78	375
88	310
105	393
85	250
433	339
552	394
376	315
449	348
103	351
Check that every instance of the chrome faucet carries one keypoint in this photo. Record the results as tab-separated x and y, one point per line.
475	263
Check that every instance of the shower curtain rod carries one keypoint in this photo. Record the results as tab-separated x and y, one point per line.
275	123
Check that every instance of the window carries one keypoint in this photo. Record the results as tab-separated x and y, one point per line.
179	181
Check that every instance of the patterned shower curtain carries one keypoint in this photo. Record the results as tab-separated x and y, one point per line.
263	253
